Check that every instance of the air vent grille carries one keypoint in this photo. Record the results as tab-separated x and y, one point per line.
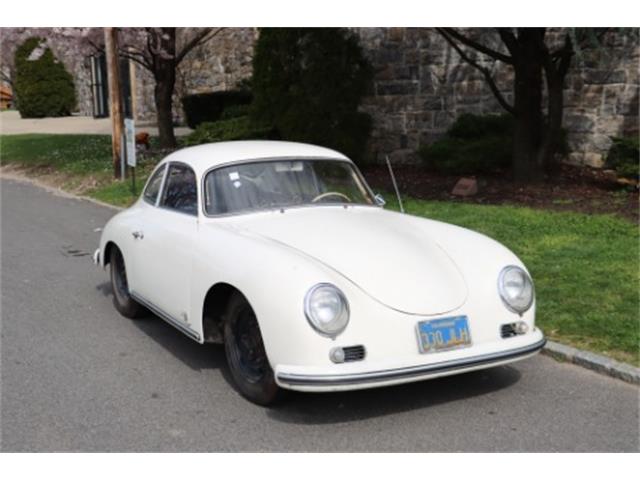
508	330
354	354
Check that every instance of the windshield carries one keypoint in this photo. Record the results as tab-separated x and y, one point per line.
283	183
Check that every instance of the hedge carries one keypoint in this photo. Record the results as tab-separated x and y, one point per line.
209	107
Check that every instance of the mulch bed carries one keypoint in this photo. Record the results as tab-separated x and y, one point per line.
579	189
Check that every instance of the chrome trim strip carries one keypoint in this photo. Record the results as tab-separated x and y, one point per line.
407	372
166	317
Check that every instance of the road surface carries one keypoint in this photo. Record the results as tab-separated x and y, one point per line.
76	376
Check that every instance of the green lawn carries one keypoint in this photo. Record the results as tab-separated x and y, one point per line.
586	268
79	158
74	154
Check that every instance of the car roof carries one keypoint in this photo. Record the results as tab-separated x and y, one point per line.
203	157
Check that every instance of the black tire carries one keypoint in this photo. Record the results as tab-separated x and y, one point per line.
122	300
246	355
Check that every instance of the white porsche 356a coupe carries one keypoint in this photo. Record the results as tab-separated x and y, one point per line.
281	252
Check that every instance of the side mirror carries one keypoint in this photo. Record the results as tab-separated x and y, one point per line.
379	199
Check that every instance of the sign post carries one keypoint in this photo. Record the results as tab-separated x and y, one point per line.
130	136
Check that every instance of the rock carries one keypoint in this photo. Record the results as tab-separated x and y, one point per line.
610	175
465	187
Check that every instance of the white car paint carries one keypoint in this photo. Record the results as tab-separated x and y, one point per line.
394	269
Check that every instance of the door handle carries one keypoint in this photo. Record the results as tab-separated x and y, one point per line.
138	235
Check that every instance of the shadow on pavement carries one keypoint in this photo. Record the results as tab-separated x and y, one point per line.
191	353
337	407
340	407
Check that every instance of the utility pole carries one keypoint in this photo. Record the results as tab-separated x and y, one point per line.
115	97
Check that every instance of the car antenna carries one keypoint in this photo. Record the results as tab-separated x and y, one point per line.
395	185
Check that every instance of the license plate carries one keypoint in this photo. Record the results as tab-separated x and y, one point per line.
443	334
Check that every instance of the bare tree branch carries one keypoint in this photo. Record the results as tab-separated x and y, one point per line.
140	60
453	33
485	71
510	40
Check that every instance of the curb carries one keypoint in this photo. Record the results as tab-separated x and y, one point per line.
592	361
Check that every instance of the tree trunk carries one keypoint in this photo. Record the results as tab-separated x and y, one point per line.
528	130
163	95
555	73
165	77
553	129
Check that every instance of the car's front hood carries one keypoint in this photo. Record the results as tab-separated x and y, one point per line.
382	252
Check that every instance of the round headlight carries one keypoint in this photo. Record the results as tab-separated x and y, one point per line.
326	309
516	289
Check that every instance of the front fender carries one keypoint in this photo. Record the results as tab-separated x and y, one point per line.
274	279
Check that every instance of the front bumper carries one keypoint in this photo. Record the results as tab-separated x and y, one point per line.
379	378
96	257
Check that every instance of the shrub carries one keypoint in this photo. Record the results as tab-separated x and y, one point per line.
238	128
43	87
477	126
308	84
624	156
473	144
210	106
235	111
456	156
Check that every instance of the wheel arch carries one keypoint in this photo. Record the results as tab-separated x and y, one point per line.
214	307
107	252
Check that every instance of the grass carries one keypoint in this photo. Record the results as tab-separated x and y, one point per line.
585	267
77	163
73	154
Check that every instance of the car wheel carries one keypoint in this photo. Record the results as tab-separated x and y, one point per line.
246	354
122	300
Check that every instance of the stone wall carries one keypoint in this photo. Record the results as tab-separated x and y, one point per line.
421	86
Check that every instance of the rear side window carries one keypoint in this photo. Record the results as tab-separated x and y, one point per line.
180	191
153	187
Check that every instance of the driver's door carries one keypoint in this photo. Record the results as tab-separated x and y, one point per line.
164	253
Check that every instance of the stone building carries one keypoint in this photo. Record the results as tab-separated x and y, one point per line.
420	87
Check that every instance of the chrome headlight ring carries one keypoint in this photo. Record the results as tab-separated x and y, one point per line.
516	289
326	309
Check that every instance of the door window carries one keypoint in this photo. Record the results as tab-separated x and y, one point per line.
180	191
153	187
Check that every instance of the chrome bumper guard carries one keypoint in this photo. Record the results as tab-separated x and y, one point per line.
408	372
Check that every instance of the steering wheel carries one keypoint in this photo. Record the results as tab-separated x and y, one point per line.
330	194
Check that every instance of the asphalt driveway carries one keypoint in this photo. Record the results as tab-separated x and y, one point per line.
76	376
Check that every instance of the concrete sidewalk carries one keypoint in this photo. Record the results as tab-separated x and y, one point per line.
11	124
